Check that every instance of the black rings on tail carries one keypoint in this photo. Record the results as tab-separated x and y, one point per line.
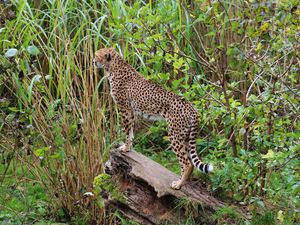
205	168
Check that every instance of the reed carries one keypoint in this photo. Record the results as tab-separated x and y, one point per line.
65	100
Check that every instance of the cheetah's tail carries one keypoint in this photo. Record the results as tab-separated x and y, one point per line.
205	168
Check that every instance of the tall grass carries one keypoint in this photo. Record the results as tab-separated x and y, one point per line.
63	97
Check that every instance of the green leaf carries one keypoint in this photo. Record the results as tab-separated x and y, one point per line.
202	17
41	151
234	25
175	83
11	52
242	131
212	33
33	50
265	27
14	109
55	155
280	216
259	47
269	155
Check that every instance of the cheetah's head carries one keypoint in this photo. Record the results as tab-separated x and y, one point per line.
103	57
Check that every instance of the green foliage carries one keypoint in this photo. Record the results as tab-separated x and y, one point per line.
117	216
267	218
103	183
191	208
22	199
227	215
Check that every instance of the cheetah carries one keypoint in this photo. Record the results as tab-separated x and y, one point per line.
136	96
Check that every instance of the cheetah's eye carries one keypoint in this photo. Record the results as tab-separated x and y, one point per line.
108	57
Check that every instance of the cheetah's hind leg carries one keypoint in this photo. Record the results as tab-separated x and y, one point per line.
185	176
179	146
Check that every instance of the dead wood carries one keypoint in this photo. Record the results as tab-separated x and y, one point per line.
149	197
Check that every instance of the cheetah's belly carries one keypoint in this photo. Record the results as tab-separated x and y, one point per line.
146	113
148	116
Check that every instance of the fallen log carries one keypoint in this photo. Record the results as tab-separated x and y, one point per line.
145	185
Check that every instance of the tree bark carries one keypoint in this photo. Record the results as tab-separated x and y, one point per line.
149	197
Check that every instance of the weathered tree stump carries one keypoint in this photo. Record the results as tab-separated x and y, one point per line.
149	197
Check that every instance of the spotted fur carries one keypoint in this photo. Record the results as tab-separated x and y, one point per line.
136	96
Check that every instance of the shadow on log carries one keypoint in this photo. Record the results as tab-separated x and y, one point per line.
149	197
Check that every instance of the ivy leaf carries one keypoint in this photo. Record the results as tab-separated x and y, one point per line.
11	52
33	50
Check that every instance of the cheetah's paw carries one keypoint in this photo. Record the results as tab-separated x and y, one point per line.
176	184
124	148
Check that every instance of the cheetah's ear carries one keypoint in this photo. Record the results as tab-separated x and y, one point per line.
108	57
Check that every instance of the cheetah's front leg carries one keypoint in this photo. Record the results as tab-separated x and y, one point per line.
128	123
